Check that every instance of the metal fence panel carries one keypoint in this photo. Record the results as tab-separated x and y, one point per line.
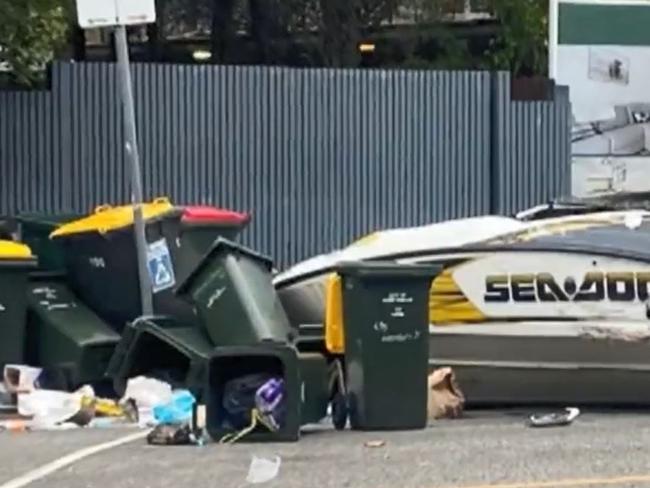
532	147
31	163
319	156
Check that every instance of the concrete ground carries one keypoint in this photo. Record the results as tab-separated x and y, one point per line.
482	449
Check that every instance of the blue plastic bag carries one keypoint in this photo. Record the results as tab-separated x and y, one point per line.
177	411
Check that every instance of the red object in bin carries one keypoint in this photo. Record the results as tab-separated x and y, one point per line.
202	214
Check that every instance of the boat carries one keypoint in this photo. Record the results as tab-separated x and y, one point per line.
546	306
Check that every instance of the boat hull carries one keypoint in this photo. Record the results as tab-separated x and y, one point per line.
529	363
552	312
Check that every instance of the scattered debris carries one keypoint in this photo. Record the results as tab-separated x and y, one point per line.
181	433
146	393
178	410
7	400
199	424
170	435
263	470
378	443
445	398
269	400
43	409
111	422
554	419
49	409
85	415
19	378
14	425
252	401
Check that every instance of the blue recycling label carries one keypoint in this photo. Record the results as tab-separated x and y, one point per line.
159	264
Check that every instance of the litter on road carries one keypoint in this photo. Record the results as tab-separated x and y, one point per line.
556	419
226	357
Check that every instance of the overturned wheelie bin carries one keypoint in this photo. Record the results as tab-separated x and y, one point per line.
232	291
44	322
235	303
258	386
16	262
164	348
240	361
101	259
64	337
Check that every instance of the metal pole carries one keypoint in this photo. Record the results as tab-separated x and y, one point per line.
122	51
553	12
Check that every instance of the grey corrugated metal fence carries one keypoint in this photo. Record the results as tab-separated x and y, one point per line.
319	156
532	148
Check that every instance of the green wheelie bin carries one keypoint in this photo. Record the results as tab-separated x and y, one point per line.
64	337
165	349
101	257
197	229
386	336
235	377
34	229
16	262
235	300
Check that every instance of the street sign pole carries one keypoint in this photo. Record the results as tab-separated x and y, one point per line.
95	14
126	88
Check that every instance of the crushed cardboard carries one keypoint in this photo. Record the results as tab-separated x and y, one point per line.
445	398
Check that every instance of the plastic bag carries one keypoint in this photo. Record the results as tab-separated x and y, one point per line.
262	391
269	400
147	392
177	411
262	470
48	408
238	399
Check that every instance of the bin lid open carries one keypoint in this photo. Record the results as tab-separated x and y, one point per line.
14	250
107	218
201	214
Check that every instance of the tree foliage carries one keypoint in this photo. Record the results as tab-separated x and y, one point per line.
305	32
31	31
521	44
340	32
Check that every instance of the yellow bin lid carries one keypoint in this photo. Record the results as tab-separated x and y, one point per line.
14	250
107	218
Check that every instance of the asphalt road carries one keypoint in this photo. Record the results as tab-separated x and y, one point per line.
485	448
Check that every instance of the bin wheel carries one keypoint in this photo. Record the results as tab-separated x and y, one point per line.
339	411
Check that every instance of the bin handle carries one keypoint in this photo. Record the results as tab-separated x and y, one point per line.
103	208
161	200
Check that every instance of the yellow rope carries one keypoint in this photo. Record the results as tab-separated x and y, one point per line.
255	418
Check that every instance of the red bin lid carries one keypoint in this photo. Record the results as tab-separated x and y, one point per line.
206	214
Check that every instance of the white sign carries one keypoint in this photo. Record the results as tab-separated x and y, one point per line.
105	13
593	176
548	285
600	50
159	264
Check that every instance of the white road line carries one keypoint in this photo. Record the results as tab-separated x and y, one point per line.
49	468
